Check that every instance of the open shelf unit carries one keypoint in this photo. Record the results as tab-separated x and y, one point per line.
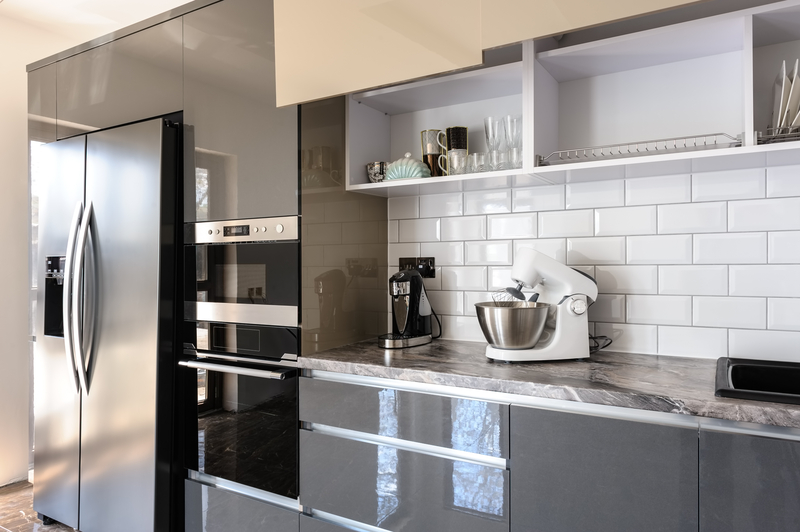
688	80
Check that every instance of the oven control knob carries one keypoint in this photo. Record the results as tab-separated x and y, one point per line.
210	232
578	306
263	229
279	228
217	231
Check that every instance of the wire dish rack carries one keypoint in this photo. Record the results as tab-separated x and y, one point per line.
647	147
778	134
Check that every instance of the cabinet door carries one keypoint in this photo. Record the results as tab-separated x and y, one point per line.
400	490
748	483
509	21
241	151
309	524
579	473
133	78
211	509
330	48
42	104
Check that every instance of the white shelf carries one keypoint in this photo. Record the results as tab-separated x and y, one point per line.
484	84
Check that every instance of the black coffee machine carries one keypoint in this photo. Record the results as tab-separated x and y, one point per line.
411	312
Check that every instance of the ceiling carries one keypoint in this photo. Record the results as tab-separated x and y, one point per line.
83	20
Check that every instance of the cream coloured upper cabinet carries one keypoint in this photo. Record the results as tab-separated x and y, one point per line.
326	48
509	21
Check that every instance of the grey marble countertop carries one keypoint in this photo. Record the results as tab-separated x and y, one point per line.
646	382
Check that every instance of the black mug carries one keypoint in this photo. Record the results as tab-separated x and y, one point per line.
456	138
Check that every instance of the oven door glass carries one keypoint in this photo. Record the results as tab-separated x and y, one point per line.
247	428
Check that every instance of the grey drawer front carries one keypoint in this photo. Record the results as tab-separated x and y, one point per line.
463	424
398	490
211	509
577	473
309	524
748	483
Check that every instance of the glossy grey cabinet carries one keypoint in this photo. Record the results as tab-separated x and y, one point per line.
241	155
42	104
748	483
579	473
309	524
400	490
463	424
210	509
136	77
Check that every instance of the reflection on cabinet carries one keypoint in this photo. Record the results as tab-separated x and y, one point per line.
42	104
748	483
210	509
309	524
135	77
241	151
328	48
580	473
507	21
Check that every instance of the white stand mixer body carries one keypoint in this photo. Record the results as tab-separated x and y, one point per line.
566	333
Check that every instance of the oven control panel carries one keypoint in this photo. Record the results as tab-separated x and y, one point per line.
252	230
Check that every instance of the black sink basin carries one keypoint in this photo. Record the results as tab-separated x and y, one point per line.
760	380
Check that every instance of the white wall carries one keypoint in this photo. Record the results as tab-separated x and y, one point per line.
20	44
702	265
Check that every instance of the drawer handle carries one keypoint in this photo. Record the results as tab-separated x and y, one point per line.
261	373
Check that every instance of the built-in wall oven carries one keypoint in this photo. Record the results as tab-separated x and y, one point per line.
241	342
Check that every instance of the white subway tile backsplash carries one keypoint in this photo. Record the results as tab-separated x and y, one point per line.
499	277
433	283
498	252
694	342
608	308
447	302
693	280
662	249
555	248
596	194
507	226
765	281
747	183
659	310
783	314
464	278
487	201
734	312
566	223
550	198
420	230
464	228
462	328
658	190
440	205
740	248
603	250
764	215
692	218
403	207
394	231
627	279
470	298
445	253
783	181
625	221
765	345
784	247
630	338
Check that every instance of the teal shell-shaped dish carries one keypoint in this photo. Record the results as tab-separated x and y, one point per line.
407	167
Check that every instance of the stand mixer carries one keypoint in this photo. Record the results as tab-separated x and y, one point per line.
564	293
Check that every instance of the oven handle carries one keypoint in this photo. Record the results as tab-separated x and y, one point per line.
261	373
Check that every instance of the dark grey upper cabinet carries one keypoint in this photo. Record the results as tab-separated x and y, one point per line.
136	77
242	156
748	483
42	104
578	473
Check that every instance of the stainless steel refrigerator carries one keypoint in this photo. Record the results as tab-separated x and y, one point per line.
106	315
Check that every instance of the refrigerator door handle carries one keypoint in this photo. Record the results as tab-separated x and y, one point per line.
77	323
67	302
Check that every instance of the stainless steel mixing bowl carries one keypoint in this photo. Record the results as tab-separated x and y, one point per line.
515	326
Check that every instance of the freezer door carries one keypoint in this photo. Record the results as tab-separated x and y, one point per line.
56	399
118	434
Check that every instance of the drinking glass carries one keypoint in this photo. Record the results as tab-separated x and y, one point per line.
476	163
494	132
496	160
513	128
456	162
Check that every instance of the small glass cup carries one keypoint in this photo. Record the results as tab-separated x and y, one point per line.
496	160
514	158
476	162
457	162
